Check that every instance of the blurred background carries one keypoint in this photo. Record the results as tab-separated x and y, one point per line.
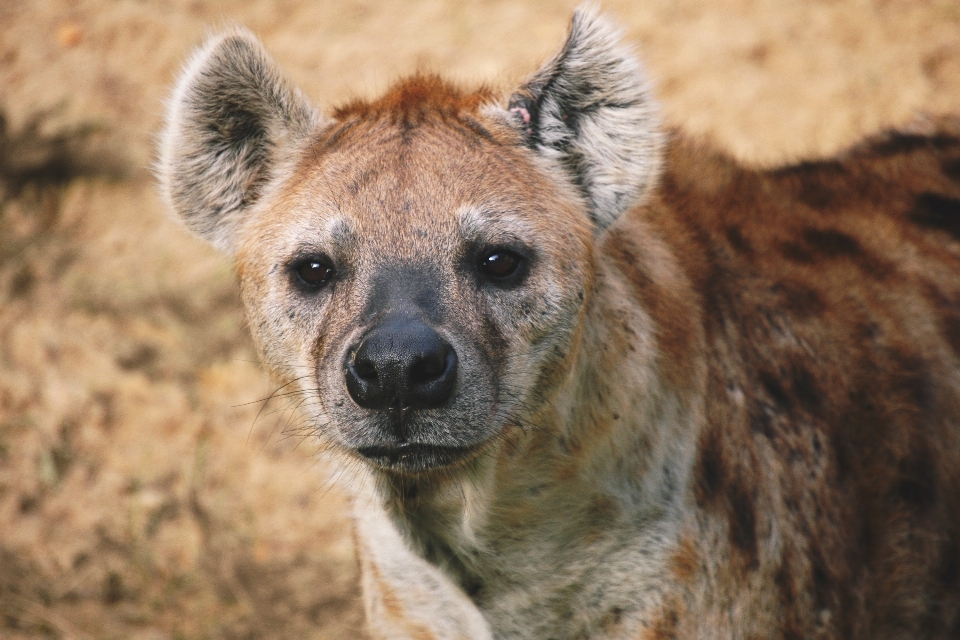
145	492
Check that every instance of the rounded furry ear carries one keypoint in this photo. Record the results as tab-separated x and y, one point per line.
230	112
589	109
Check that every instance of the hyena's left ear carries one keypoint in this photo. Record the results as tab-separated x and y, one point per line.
229	120
589	109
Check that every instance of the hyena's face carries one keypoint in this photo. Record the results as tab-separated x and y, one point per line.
417	266
417	281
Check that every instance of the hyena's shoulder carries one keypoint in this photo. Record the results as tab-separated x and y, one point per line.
859	250
830	293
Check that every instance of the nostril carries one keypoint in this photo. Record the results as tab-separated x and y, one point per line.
431	366
363	368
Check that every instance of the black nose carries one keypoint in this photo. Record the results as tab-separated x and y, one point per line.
401	364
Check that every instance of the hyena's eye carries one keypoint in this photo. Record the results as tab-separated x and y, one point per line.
313	273
500	265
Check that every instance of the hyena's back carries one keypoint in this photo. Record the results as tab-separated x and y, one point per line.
831	302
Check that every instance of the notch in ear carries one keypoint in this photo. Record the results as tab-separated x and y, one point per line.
589	109
230	113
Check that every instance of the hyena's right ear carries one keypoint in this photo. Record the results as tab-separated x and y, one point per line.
589	109
231	113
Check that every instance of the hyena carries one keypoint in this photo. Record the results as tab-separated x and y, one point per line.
595	379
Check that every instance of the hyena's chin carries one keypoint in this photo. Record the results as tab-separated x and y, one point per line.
413	458
416	441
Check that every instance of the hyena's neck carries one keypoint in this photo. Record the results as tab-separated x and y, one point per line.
615	444
628	421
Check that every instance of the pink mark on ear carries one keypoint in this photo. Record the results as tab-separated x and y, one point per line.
523	114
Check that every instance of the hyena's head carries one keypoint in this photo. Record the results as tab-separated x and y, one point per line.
417	266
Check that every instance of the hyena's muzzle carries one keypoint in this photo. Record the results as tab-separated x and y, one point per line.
411	385
399	368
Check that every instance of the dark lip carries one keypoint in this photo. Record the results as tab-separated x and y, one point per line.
412	457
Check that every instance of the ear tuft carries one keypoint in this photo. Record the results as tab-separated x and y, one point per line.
589	109
230	112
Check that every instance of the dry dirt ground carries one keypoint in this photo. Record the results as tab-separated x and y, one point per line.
144	492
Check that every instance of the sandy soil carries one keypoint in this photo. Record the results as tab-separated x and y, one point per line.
145	492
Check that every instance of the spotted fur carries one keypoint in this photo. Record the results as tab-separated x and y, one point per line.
719	403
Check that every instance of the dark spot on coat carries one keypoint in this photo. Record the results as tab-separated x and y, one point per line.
937	212
806	389
902	143
831	244
916	484
472	586
665	627
815	195
815	192
710	474
813	189
867	330
951	169
775	390
743	524
737	241
822	581
611	618
826	244
796	252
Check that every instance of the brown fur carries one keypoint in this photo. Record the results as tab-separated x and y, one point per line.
832	295
417	99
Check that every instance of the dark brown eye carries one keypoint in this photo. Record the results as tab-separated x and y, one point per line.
313	273
499	264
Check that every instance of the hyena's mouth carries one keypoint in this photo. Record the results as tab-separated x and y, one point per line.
414	458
